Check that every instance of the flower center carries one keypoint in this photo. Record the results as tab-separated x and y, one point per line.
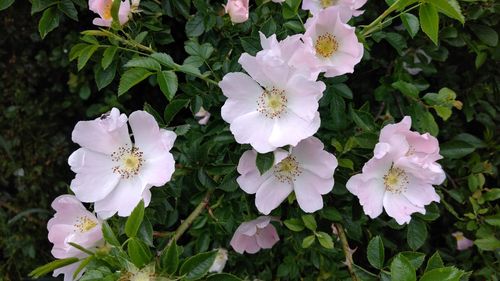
106	13
272	103
84	224
326	3
130	161
287	170
326	45
396	180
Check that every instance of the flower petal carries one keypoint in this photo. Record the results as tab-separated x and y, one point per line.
312	157
371	196
306	191
255	129
267	237
123	199
270	194
290	129
398	207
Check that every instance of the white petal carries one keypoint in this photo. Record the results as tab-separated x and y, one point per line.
255	129
371	196
290	129
234	108
420	193
123	199
270	195
398	207
306	190
311	156
238	85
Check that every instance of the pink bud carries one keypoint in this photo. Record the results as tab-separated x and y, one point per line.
237	10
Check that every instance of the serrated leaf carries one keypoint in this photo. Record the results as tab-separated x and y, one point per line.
169	260
411	24
40	5
48	22
451	8
104	77
108	56
144	62
294	224
443	274
134	220
309	222
325	239
167	80
264	161
308	241
402	270
195	26
416	234
488	244
164	59
173	108
69	9
139	252
406	89
109	235
131	78
416	259
429	21
375	252
456	149
85	54
434	262
197	266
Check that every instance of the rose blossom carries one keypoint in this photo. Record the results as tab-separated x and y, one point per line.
219	262
237	10
307	170
273	107
400	175
112	171
462	242
72	223
315	6
333	41
103	8
251	236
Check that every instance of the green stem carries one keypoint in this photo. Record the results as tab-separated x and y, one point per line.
346	249
376	24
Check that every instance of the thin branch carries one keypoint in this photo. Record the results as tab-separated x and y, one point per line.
346	249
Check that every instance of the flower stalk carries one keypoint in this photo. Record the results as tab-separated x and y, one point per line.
377	23
346	250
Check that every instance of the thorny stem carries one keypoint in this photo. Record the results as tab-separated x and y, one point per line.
345	249
376	24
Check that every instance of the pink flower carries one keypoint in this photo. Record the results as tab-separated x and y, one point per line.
333	42
307	170
315	6
251	236
103	8
400	176
112	171
462	242
237	10
273	107
72	223
203	116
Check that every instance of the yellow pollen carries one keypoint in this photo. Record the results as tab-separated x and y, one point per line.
326	3
287	170
130	161
396	180
272	103
326	45
84	224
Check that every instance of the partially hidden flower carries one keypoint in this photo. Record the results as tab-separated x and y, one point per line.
306	170
115	173
462	242
219	262
202	116
315	6
103	9
333	42
400	176
237	10
72	222
271	108
251	236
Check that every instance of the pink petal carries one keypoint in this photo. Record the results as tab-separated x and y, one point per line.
267	237
399	208
371	196
306	191
270	194
290	129
123	199
420	193
255	129
311	156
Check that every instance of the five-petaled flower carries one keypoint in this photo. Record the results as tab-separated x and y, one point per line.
251	236
103	8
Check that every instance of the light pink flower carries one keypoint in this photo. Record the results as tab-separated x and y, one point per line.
72	223
251	236
237	10
307	170
273	107
333	42
462	242
315	6
400	176
203	116
103	8
112	171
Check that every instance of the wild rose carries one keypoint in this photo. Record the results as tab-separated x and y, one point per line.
219	262
115	173
103	8
462	242
315	6
72	223
237	10
251	236
400	176
273	107
333	42
307	170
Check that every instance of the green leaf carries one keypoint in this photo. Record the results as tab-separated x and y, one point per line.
109	235
169	259
195	26
85	54
397	41
450	8
416	259
363	119
422	120
167	80
375	252
251	45
402	270
131	78
164	59
107	57
325	239
308	241
331	214
197	266
173	108
486	34
416	234
144	62
290	8
294	224
429	21
4	4
203	51
309	222
223	277
264	161
434	262
294	26
115	8
406	89
443	274
492	194
488	244
139	252
82	265
76	50
48	22
104	77
411	23
40	5
69	9
134	220
456	149
51	266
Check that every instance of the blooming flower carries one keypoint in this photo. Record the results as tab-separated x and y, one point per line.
72	223
462	242
251	236
219	262
237	10
273	107
315	6
307	170
400	176
112	171
203	116
103	8
333	41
